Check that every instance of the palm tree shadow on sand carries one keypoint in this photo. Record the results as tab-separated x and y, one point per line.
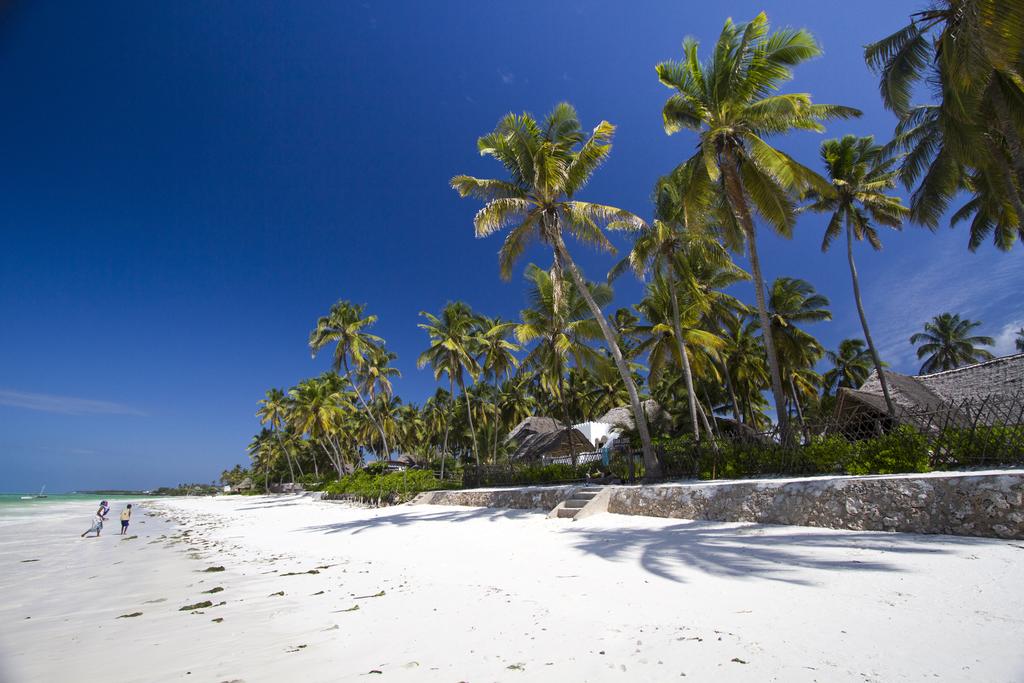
775	553
755	551
402	519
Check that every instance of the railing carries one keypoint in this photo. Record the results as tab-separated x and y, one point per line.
973	433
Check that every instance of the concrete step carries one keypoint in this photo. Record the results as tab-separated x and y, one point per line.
591	489
580	495
575	503
567	512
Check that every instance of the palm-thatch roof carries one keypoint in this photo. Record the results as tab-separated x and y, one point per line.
622	416
552	444
940	397
534	425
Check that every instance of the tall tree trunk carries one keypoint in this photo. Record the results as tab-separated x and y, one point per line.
469	417
712	427
732	392
652	467
796	402
497	418
677	329
864	324
738	202
565	415
448	421
373	418
287	456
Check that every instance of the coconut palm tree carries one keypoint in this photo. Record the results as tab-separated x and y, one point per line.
548	163
947	344
273	410
860	172
345	327
792	301
318	409
731	101
971	138
660	307
498	359
851	365
453	351
559	319
744	360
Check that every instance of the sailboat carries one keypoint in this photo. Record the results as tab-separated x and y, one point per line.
38	495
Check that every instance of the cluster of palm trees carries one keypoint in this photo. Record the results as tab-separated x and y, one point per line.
695	348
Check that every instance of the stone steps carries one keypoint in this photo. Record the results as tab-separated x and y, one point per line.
577	502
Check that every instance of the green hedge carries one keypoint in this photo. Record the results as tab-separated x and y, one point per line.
400	486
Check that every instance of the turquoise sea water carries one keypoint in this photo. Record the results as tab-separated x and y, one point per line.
12	502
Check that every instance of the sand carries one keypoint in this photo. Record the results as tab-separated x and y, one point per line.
316	591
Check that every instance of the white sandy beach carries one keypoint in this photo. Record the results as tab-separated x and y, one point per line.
423	593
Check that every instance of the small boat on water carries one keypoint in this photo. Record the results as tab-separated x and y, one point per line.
38	495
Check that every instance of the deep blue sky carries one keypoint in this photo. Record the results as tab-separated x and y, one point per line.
185	187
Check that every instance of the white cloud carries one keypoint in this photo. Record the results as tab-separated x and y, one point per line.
1006	340
983	286
63	405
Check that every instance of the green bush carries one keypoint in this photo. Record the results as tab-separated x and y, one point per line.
979	446
904	449
398	486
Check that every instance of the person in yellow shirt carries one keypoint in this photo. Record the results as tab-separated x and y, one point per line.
126	515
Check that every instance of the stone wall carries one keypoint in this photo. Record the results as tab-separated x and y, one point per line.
968	504
525	498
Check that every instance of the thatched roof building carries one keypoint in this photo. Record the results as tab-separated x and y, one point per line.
534	425
622	416
563	442
960	397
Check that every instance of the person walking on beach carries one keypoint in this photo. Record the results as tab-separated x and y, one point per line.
126	515
97	522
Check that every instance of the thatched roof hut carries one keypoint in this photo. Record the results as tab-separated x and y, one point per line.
534	425
622	416
553	444
950	398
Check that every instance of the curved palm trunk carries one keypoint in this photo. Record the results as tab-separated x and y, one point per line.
565	415
864	325
738	202
494	451
732	392
447	423
373	418
677	329
469	417
651	465
287	455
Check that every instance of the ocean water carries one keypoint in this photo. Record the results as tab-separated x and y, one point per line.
15	510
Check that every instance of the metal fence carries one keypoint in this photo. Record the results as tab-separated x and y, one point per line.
972	433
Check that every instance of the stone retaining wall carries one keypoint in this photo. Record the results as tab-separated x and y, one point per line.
525	498
968	504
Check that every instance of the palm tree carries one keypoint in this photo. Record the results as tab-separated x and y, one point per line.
453	351
1019	342
730	101
345	326
498	356
744	362
560	319
273	410
548	164
970	139
851	366
660	307
318	409
861	172
656	248
792	301
946	342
